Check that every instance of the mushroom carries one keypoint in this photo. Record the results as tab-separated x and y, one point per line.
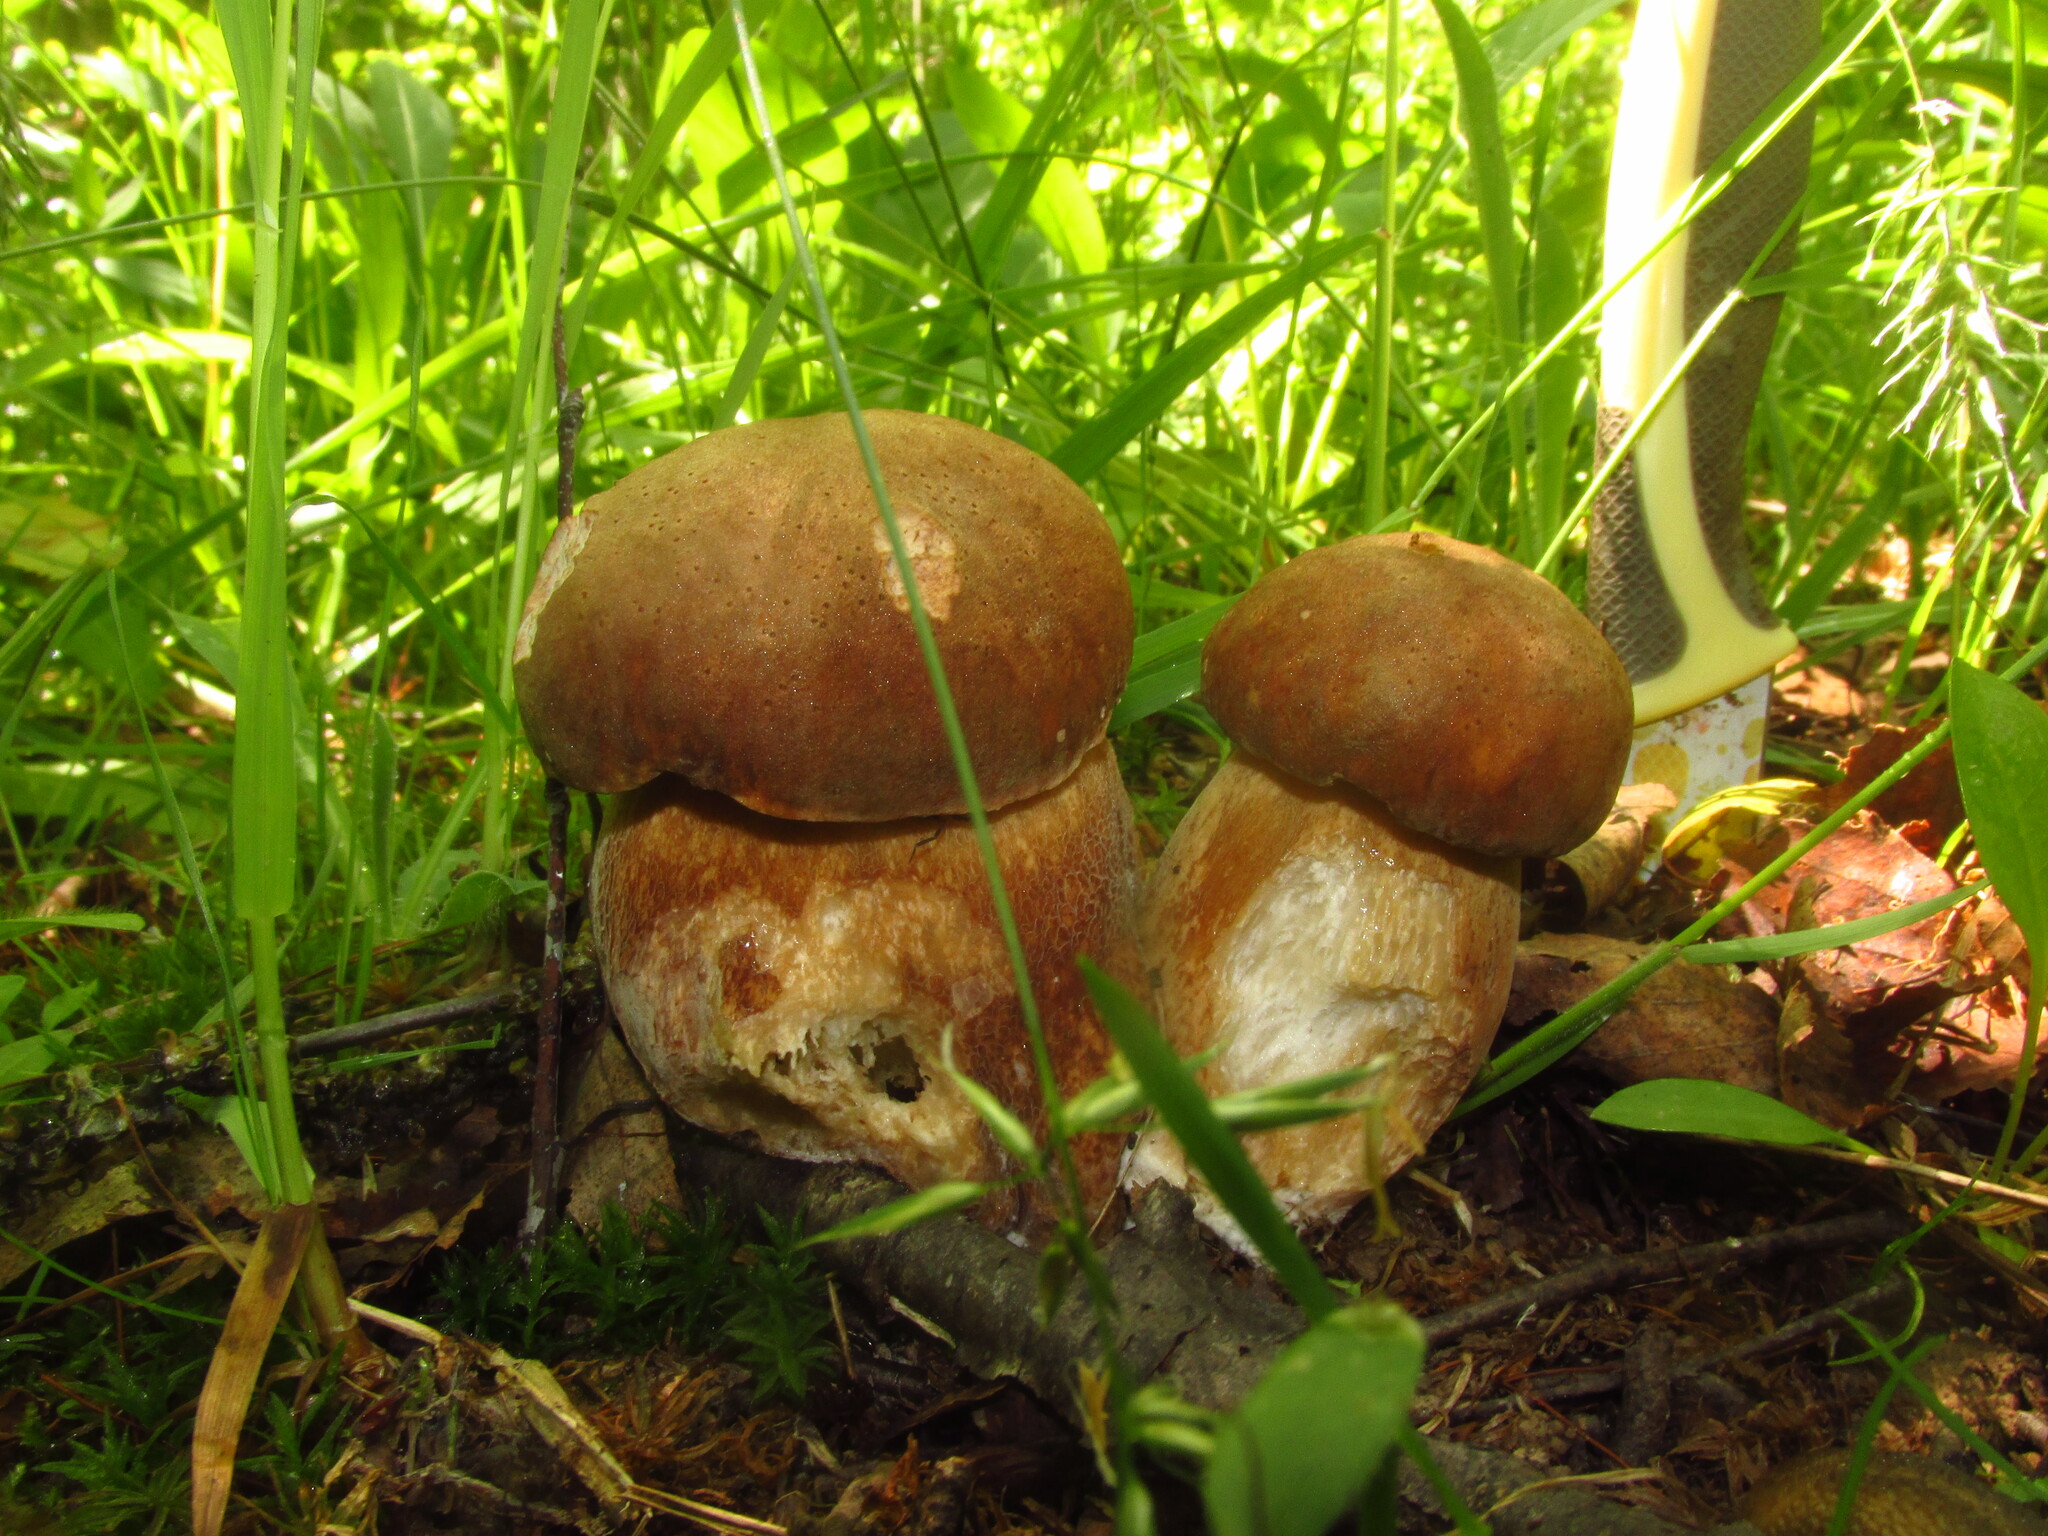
787	902
1413	716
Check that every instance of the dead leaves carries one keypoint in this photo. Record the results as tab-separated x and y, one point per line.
238	1359
1685	1021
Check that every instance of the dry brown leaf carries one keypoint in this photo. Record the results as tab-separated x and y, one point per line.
1597	871
1685	1021
616	1152
238	1359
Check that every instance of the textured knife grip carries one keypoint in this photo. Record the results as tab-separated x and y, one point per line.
1759	47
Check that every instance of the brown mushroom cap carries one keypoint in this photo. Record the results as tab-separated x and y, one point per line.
1459	689
732	613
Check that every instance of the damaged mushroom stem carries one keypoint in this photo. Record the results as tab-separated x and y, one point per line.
787	902
1413	716
791	983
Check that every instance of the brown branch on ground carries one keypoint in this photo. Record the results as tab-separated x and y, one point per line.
1615	1272
387	1026
1182	1321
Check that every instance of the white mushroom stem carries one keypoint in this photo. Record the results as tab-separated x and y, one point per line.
1301	930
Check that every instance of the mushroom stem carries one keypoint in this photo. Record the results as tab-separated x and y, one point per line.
1297	930
794	982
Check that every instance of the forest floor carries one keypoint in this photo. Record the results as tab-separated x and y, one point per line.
714	1363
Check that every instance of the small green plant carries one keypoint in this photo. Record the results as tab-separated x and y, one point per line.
102	1445
677	1276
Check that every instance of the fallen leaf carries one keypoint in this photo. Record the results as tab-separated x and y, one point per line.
1861	870
1685	1021
617	1138
1929	794
49	535
238	1359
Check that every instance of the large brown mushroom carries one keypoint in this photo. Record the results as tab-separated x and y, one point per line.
1413	716
787	902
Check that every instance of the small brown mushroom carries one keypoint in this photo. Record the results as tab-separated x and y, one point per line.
789	908
1413	716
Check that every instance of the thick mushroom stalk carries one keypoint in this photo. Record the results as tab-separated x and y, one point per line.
1414	715
1305	930
792	983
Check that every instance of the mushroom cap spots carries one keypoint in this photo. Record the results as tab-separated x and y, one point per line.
1460	690
732	613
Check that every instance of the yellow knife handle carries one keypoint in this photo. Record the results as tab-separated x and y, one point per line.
1669	578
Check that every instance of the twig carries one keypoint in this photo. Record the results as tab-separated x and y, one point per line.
547	1061
1572	1386
1616	1271
324	1042
547	1132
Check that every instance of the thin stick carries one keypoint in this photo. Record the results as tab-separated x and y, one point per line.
547	1061
2033	1199
325	1042
1616	1271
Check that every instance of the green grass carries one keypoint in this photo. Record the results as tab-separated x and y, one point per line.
1259	276
1189	314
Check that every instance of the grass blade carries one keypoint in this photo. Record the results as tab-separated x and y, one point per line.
1210	1147
238	1359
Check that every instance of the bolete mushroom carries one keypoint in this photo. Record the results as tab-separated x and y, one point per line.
1413	716
787	902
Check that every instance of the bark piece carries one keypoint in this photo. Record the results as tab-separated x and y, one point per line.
1594	874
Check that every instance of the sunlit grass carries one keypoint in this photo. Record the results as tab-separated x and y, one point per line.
1040	221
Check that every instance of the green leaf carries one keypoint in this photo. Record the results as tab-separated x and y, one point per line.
1302	1101
1090	447
713	53
219	644
1207	1142
21	1060
1529	37
1700	1108
10	988
246	1127
1089	41
1101	1104
1160	688
1317	1426
1805	941
2001	740
118	922
1181	638
67	1004
480	893
759	340
1493	183
418	132
906	1212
